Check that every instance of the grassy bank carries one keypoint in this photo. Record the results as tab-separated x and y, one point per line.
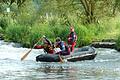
29	34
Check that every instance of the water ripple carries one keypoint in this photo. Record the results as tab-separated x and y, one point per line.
104	67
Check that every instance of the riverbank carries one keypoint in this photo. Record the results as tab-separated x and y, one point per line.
105	43
27	35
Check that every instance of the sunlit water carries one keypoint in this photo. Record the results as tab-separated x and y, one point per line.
106	66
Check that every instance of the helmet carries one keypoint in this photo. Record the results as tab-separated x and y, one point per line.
58	39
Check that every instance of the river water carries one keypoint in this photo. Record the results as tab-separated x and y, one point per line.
106	66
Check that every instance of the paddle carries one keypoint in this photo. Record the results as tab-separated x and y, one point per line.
61	60
26	54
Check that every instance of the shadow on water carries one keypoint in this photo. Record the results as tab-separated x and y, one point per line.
55	71
47	71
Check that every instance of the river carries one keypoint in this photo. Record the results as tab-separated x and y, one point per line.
106	66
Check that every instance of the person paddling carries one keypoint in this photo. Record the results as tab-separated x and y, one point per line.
72	38
47	46
65	49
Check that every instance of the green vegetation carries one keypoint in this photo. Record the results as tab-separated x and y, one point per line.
28	35
28	20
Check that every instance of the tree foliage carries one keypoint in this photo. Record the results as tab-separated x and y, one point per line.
68	11
10	2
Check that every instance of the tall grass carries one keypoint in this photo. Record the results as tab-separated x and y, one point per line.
29	35
118	38
18	33
118	43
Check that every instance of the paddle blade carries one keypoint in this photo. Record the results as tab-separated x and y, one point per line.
25	55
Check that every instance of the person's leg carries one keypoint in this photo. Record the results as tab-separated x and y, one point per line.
72	46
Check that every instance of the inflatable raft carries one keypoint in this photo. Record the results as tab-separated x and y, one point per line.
83	53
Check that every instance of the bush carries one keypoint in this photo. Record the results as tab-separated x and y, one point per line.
3	23
1	30
29	35
17	33
59	31
118	43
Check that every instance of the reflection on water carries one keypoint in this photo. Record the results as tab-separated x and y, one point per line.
104	67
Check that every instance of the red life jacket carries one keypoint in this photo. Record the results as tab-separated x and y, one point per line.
72	37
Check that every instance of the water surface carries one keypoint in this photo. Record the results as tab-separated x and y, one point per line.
104	67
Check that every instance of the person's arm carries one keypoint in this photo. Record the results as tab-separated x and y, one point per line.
56	45
39	47
69	37
48	41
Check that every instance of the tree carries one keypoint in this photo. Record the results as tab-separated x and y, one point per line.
10	2
89	7
115	6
